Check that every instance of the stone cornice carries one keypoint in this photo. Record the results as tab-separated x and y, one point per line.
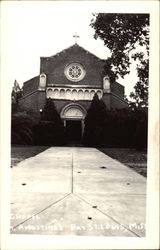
74	86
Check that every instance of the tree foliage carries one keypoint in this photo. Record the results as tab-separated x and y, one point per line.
140	93
50	129
122	33
124	128
94	121
22	121
50	113
21	128
16	94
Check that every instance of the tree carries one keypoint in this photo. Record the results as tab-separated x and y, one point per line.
16	94
50	113
94	121
21	128
140	94
50	130
22	121
122	34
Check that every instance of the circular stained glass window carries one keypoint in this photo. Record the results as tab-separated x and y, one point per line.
74	72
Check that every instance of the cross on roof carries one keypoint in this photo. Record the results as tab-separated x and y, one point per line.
76	36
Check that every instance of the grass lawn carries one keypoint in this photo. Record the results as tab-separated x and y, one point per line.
130	157
19	153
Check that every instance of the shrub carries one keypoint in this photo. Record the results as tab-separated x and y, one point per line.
115	128
50	129
21	128
48	133
94	122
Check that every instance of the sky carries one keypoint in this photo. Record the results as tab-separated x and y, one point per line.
34	29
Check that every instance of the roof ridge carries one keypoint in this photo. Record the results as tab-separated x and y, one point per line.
72	46
31	79
90	53
63	50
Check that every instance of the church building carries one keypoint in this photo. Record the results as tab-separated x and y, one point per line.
71	78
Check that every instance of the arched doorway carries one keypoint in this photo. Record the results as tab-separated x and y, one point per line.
73	116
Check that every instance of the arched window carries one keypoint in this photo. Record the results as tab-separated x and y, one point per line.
42	81
106	84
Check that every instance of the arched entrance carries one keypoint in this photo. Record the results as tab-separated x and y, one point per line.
73	116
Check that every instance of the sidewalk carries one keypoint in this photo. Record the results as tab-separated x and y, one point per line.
77	191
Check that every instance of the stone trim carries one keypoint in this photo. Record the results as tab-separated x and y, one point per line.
72	93
73	86
72	105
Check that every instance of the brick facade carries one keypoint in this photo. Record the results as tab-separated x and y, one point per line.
54	66
54	78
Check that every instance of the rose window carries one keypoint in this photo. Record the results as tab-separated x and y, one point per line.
74	72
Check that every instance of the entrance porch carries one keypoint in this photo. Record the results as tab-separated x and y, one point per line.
73	116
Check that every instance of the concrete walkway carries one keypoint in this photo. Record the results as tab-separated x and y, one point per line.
77	191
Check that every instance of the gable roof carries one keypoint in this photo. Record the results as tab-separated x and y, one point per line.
71	48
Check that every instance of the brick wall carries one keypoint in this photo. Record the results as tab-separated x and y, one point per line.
30	85
117	103
35	101
118	89
54	67
41	100
107	100
61	104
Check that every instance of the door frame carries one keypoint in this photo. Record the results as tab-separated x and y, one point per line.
81	116
73	119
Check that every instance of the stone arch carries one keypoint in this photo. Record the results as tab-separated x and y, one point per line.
62	93
68	94
74	111
74	94
80	94
86	95
99	93
56	93
49	93
72	114
92	93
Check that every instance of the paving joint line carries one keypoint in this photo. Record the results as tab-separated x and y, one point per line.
72	175
72	192
41	211
107	215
